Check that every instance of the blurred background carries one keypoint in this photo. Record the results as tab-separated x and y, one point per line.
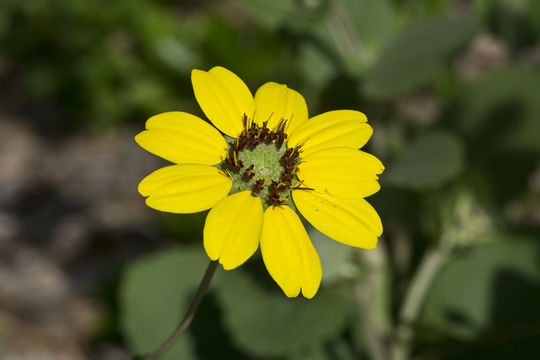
451	88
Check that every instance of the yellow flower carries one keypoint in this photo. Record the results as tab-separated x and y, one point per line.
271	161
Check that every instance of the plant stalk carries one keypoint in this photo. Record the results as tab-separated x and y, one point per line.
414	299
190	314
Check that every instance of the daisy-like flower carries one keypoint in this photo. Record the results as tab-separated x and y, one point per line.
272	161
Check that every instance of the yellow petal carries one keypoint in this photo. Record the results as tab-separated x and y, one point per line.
223	97
233	228
341	172
185	189
288	253
274	102
352	222
340	128
182	138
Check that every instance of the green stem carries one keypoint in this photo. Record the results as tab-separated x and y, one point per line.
184	324
414	299
372	293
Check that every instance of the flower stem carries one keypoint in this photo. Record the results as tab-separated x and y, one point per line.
184	324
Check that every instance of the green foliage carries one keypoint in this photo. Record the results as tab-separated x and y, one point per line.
268	14
501	110
156	291
373	20
415	57
466	169
315	66
428	162
336	258
186	229
476	152
484	288
154	296
96	60
265	323
355	31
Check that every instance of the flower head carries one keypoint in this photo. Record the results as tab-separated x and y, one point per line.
272	160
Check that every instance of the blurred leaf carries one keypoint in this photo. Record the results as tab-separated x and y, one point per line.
171	40
100	66
534	12
482	288
149	94
411	11
308	15
269	14
417	55
251	52
154	295
502	109
459	213
430	161
312	353
5	14
335	257
373	20
185	227
315	65
356	30
358	333
338	349
176	54
269	324
512	21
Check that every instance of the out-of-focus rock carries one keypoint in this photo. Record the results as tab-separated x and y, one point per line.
58	194
103	172
23	340
45	316
69	238
70	214
29	283
20	155
8	228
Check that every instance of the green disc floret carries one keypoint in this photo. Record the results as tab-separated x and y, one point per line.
266	162
259	161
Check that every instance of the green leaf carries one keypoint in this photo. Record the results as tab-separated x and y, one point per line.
154	294
269	14
335	257
493	285
315	65
534	13
417	55
265	323
186	228
373	20
316	352
430	161
356	31
502	108
176	54
336	349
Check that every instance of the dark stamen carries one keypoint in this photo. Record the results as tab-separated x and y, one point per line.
252	136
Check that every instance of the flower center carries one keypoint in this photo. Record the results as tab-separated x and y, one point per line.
259	161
